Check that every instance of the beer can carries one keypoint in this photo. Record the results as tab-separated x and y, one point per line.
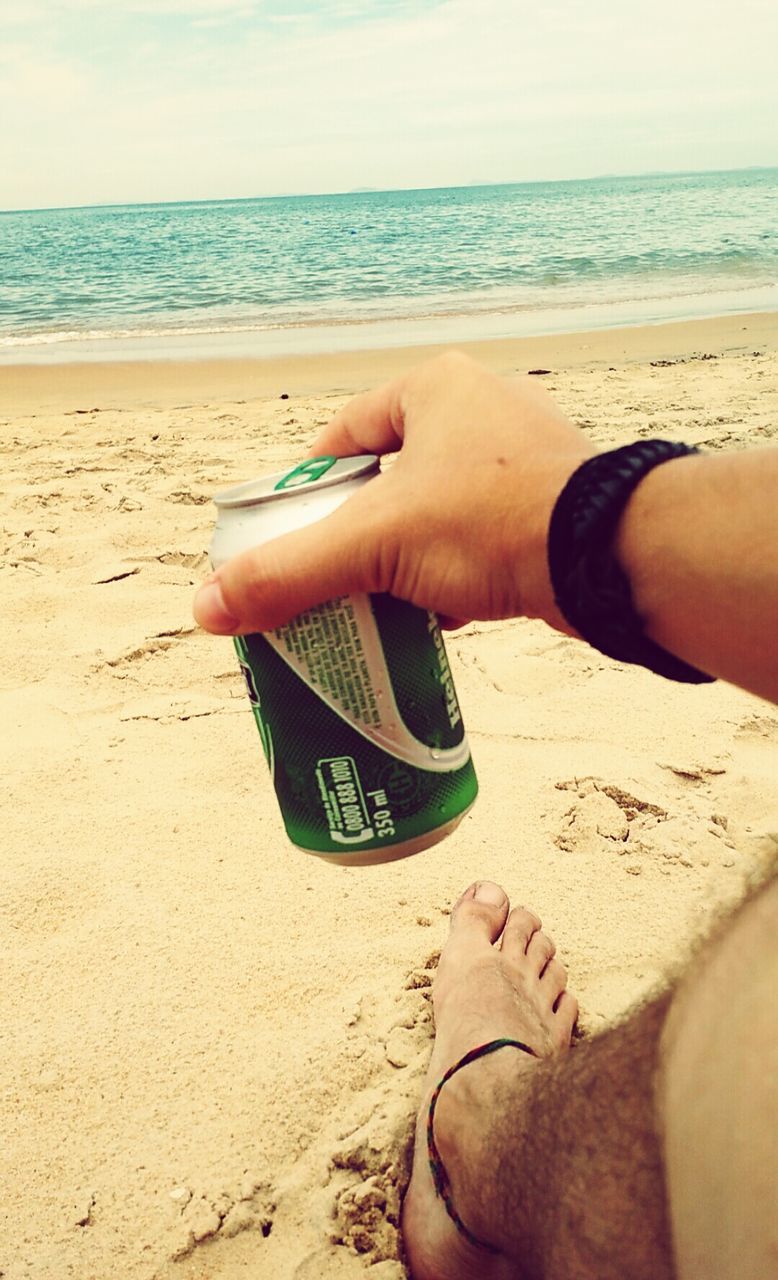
354	700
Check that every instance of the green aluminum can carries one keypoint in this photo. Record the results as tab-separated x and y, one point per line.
354	700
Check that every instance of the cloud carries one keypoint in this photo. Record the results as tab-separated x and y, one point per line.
56	10
319	11
238	97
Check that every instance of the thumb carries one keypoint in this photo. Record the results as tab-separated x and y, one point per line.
263	588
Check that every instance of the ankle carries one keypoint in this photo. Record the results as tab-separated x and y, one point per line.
470	1132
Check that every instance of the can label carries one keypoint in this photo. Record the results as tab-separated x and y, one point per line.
360	724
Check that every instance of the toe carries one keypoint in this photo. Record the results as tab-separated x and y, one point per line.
540	950
554	981
482	910
522	924
565	1014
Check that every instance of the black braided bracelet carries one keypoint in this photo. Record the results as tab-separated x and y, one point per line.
590	588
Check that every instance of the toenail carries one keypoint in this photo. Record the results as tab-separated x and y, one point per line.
491	895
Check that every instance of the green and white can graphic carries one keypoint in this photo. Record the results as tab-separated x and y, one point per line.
354	699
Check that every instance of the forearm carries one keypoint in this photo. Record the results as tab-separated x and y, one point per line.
699	543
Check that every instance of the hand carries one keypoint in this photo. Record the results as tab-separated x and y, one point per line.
458	524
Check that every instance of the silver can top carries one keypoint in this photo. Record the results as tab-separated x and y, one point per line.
313	474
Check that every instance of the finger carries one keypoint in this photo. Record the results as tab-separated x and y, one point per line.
370	423
348	551
452	624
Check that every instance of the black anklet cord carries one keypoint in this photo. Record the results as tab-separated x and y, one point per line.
439	1175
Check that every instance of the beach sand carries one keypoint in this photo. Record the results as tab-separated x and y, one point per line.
212	1043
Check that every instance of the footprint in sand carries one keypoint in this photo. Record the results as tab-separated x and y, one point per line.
189	498
34	501
694	772
605	817
758	727
159	643
187	560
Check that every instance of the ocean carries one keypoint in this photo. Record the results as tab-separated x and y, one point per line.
380	268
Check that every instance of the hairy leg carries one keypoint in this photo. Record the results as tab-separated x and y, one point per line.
718	1098
582	1192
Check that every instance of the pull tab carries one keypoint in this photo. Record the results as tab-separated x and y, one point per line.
306	473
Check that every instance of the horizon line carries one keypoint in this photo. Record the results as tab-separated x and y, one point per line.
460	186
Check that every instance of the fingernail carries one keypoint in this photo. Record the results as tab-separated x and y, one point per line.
211	612
491	895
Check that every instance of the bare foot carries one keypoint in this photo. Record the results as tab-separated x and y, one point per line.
497	977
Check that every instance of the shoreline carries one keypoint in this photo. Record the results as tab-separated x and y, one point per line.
31	388
343	336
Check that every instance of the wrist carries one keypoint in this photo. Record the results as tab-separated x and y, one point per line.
537	595
591	584
646	542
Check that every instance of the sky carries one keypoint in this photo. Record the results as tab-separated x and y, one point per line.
118	101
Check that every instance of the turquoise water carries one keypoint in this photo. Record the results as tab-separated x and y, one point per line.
373	268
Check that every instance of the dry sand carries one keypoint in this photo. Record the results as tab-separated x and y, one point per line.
212	1044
